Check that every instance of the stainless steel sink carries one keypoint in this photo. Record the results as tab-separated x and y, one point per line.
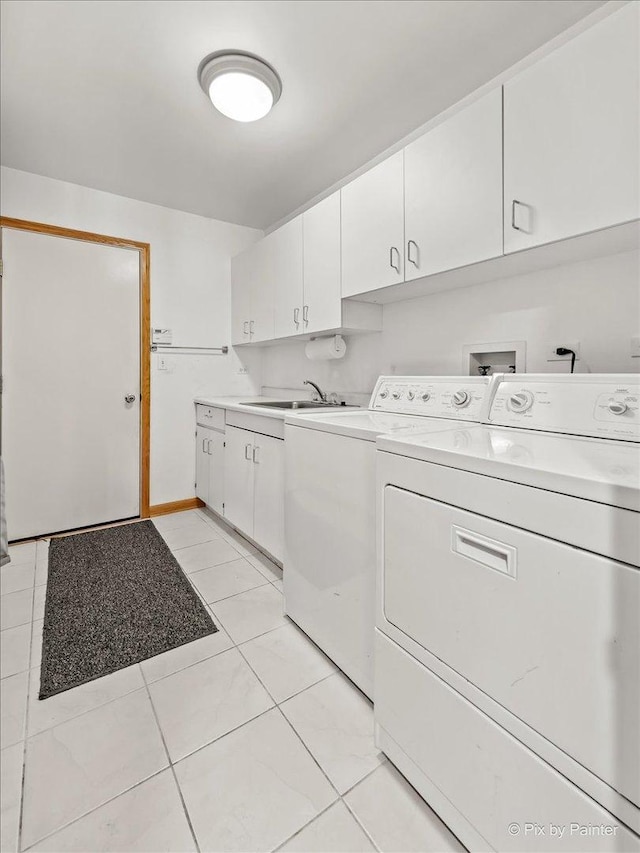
294	404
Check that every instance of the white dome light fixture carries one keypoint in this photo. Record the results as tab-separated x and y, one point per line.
241	86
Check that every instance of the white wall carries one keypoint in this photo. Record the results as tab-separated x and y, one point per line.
190	293
594	302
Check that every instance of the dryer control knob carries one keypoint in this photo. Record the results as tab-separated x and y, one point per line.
384	395
425	397
521	402
617	407
460	399
410	395
396	395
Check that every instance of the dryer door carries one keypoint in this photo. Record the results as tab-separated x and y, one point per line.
547	630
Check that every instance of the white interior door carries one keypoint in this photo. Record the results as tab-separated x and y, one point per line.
70	357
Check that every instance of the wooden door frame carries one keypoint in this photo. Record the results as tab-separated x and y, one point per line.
144	250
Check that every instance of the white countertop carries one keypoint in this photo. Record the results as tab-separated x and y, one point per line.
237	404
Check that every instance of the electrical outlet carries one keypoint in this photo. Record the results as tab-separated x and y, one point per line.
635	347
163	364
242	370
553	356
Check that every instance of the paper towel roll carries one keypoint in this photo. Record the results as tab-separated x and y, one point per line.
322	349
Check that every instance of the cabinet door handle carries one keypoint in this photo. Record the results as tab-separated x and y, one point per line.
256	454
203	441
247	452
245	327
513	215
305	314
396	267
296	316
209	453
415	261
251	327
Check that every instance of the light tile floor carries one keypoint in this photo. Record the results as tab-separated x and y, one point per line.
246	740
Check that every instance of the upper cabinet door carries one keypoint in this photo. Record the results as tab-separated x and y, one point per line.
262	293
241	277
285	271
322	305
453	191
373	228
571	136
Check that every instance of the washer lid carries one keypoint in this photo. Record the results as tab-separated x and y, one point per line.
593	469
369	425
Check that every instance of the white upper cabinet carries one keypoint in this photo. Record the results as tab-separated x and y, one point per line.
453	191
252	295
373	228
241	274
285	270
261	324
321	306
571	141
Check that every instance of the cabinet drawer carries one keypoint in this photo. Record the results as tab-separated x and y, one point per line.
210	416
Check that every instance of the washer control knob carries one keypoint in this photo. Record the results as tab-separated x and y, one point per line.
617	407
384	394
521	402
411	395
425	397
460	399
396	395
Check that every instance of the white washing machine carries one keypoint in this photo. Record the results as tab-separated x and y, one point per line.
508	616
330	507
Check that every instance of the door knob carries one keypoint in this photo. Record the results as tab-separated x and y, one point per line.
129	398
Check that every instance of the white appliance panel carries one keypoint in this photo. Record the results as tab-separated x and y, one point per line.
601	406
549	631
480	779
329	563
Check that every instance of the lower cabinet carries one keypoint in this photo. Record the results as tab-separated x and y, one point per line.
210	447
254	493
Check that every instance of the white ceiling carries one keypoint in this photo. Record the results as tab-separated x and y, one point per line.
104	92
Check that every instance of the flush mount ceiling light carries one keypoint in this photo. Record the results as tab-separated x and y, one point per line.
241	86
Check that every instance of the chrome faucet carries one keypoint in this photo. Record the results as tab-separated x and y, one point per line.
322	395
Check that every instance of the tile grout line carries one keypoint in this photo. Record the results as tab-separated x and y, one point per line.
298	831
94	809
304	745
173	771
355	816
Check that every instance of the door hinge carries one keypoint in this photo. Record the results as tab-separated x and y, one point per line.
1	267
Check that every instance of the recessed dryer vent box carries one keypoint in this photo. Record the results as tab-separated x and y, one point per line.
494	357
